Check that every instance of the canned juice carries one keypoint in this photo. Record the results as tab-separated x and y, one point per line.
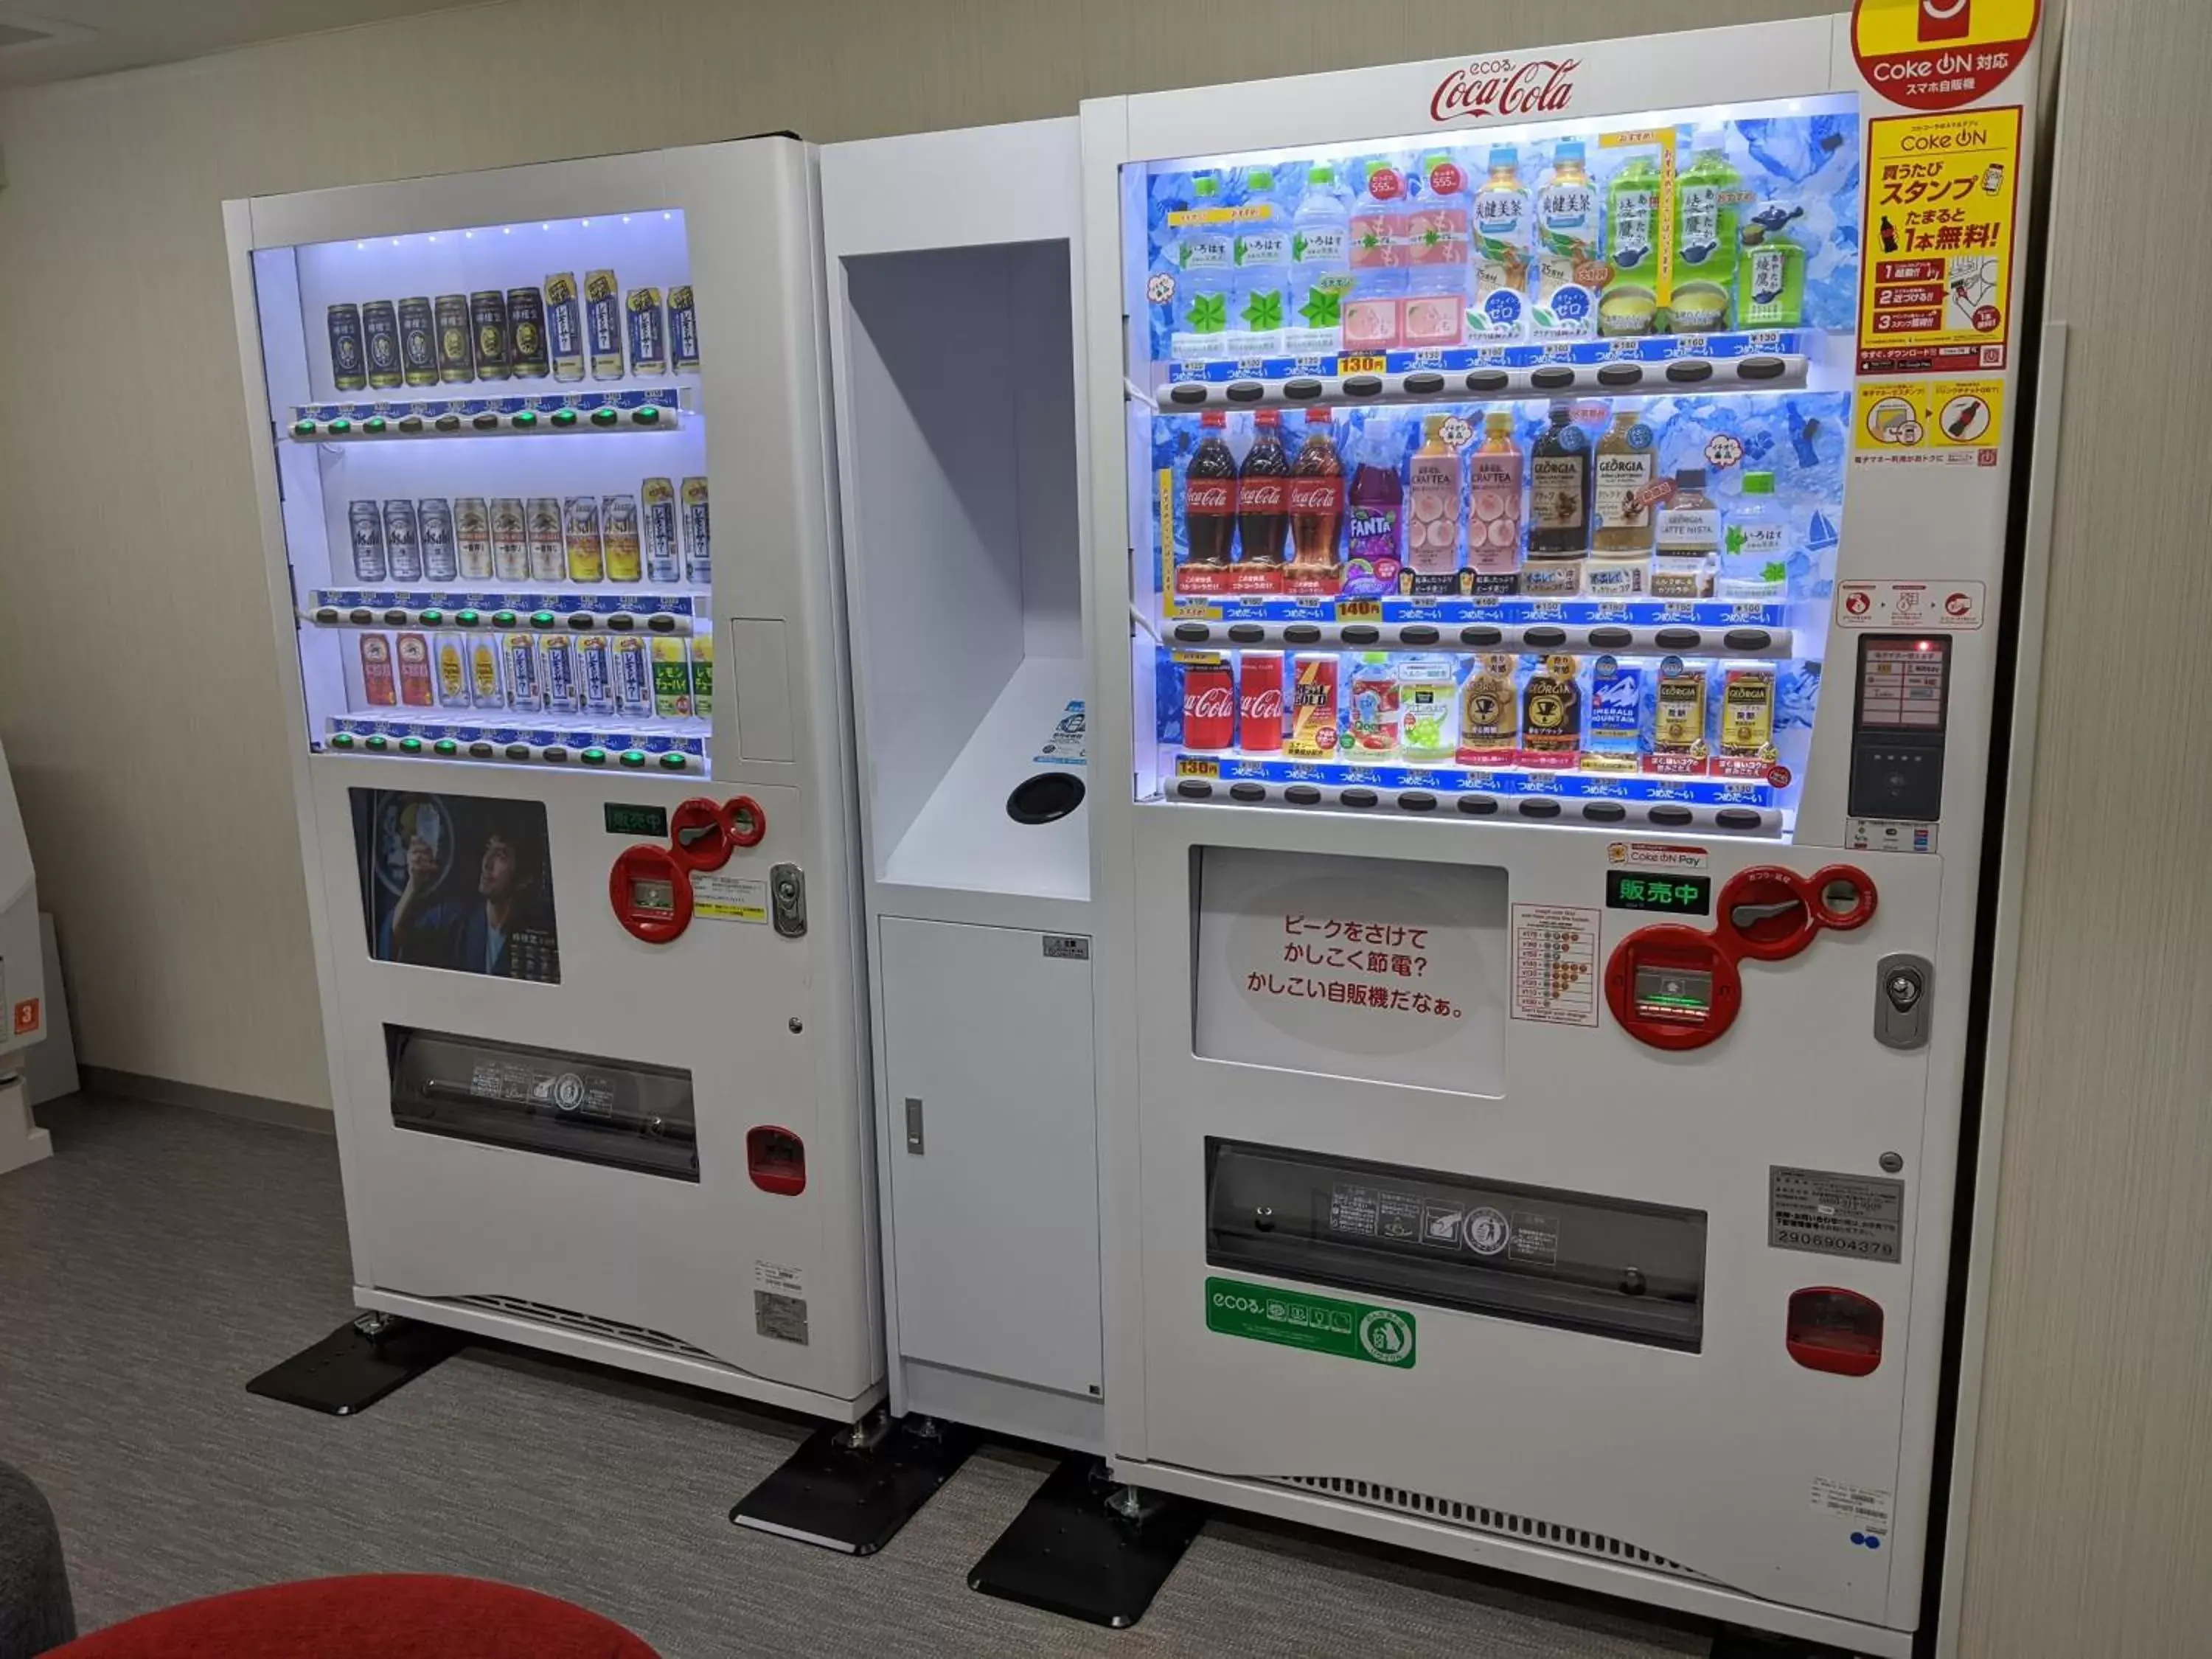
402	540
377	688
484	687
380	341
556	657
417	689
524	694
1313	709
618	517
510	540
454	672
698	561
683	331
472	537
548	550
349	367
702	676
487	333
587	563
603	328
633	679
434	517
525	333
456	354
418	342
648	332
657	530
564	327
595	674
366	520
671	679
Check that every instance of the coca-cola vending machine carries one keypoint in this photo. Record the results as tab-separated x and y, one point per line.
1553	509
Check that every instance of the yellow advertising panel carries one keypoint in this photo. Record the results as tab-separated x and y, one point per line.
1936	281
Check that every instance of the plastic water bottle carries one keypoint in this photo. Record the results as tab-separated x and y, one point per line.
1755	547
1371	319
1263	273
1439	240
1321	269
1206	281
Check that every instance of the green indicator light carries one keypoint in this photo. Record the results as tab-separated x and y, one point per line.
564	417
673	762
341	425
528	417
373	423
446	746
595	757
543	619
605	417
411	745
633	757
341	740
646	415
503	619
303	429
466	619
432	618
378	742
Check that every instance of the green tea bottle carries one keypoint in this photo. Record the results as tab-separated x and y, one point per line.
1770	282
1707	200
1631	230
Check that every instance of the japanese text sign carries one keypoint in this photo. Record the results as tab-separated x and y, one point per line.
1936	281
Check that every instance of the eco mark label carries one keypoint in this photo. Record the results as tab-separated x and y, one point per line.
1320	1324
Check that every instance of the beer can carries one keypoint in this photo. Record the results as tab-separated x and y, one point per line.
526	333
702	676
556	659
580	518
564	327
418	342
524	694
456	351
1260	701
633	679
484	687
672	678
548	550
402	540
510	540
487	333
618	519
417	689
595	674
657	529
648	332
434	518
603	328
683	331
377	688
472	537
349	367
367	519
379	336
1209	705
698	561
453	671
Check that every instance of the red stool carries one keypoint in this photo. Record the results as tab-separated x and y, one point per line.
390	1616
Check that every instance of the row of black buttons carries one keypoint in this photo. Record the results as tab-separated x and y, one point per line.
1480	636
1488	382
557	754
621	621
528	420
1667	814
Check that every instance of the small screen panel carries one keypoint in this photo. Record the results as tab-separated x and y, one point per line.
1901	684
459	881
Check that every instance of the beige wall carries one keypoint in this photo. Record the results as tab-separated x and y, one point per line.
136	660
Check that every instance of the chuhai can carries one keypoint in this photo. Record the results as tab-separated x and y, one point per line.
564	327
380	335
603	328
366	520
402	540
648	332
580	516
525	332
487	326
433	517
557	660
523	692
348	368
618	521
472	537
456	353
698	559
632	678
454	672
510	540
657	529
418	341
484	687
549	554
595	676
683	331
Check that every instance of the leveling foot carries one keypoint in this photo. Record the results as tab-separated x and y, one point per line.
852	1489
1086	1547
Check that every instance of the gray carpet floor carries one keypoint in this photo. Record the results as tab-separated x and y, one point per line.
164	1256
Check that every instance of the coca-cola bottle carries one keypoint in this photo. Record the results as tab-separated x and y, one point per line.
1316	509
1209	494
1263	493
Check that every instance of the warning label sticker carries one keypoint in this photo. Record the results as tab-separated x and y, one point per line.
1829	1213
717	896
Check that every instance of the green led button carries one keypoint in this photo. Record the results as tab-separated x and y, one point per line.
564	417
673	762
303	429
341	425
543	619
503	619
646	416
446	746
485	421
433	618
341	740
373	423
449	424
605	416
528	417
595	757
376	743
411	423
633	757
411	745
467	618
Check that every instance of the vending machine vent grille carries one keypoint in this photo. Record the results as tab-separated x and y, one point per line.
1476	1518
613	1329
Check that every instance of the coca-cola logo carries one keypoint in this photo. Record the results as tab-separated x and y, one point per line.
1207	495
1315	495
1213	703
1541	86
1266	705
1263	495
1384	185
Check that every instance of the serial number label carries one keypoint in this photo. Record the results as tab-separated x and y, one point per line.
1833	1213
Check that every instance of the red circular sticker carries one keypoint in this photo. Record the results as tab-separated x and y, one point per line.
1778	776
1986	318
1940	54
1446	179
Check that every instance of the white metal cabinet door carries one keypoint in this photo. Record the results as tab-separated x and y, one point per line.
994	1219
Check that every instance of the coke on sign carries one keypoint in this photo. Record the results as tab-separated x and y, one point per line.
1940	54
1498	85
1209	705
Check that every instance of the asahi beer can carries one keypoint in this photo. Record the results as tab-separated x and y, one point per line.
485	689
664	564
549	554
556	659
418	341
683	331
402	540
525	333
632	678
564	327
580	516
472	537
525	693
618	520
367	519
456	351
648	332
434	518
417	687
510	540
603	327
379	336
698	559
487	333
595	674
348	368
377	688
454	672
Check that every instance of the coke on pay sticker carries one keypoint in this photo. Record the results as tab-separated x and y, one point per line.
1949	607
1940	54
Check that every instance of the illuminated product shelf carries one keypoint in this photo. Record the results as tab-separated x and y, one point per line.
548	739
1276	608
401	418
1648	640
657	611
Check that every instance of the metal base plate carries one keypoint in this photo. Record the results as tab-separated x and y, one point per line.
350	1369
855	1499
1068	1552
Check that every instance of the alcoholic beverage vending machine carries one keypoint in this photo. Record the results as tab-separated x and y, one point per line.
1553	507
574	784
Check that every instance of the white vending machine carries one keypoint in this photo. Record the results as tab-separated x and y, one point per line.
574	784
22	985
1553	507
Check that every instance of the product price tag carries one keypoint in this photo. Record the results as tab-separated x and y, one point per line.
1371	365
